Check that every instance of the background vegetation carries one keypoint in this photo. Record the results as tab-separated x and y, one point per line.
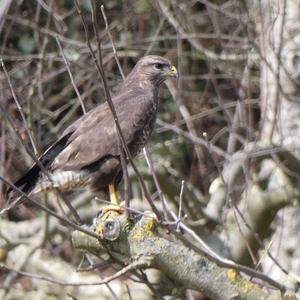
225	148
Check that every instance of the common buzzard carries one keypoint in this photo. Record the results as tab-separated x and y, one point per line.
87	155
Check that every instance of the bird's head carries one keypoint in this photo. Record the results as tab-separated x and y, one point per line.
155	68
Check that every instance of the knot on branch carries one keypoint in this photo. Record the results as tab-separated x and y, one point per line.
108	225
117	233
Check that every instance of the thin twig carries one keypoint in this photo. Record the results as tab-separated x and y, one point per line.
193	139
112	42
180	205
99	66
39	164
70	74
19	108
92	264
125	177
207	53
204	249
148	157
122	152
237	212
46	209
272	121
133	266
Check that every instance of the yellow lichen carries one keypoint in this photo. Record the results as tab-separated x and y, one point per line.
232	274
145	230
149	226
138	234
246	286
99	228
238	281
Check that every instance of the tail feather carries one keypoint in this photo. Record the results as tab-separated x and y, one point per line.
12	203
28	181
26	184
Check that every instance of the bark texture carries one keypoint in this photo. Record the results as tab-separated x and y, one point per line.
138	239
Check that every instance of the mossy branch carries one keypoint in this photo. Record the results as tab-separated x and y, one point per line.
138	239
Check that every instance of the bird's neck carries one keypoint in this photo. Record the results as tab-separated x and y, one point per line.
149	85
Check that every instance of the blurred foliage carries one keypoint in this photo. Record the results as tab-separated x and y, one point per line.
208	89
140	27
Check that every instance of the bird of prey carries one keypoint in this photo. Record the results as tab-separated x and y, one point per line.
87	155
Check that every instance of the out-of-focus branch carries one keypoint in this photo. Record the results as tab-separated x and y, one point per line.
70	74
206	52
262	205
258	205
4	6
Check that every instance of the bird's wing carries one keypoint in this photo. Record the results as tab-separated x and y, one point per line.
96	136
29	179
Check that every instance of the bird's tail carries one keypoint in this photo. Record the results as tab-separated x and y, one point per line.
28	182
25	185
12	202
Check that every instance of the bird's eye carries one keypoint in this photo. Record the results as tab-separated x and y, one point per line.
158	66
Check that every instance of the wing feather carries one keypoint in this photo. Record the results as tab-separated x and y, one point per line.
96	137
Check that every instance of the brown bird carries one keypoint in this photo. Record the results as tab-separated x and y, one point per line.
87	155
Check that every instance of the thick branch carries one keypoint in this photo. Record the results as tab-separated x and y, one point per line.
138	238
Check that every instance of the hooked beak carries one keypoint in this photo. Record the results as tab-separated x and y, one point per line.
172	72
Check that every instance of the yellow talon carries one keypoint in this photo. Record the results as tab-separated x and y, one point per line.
114	207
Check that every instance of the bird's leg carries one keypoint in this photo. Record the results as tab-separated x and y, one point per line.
115	201
111	210
113	194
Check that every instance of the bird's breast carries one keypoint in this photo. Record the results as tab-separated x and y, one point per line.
143	129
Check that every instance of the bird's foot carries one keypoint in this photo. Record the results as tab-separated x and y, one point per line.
112	208
115	207
108	226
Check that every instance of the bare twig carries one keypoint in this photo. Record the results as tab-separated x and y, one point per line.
278	50
99	66
237	213
39	164
207	53
193	139
122	152
180	205
92	264
70	74
112	42
133	266
19	108
46	209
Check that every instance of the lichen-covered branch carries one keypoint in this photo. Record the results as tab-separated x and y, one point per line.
138	238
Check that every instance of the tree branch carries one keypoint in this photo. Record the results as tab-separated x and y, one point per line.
139	238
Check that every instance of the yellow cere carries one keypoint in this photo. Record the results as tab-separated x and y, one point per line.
173	69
